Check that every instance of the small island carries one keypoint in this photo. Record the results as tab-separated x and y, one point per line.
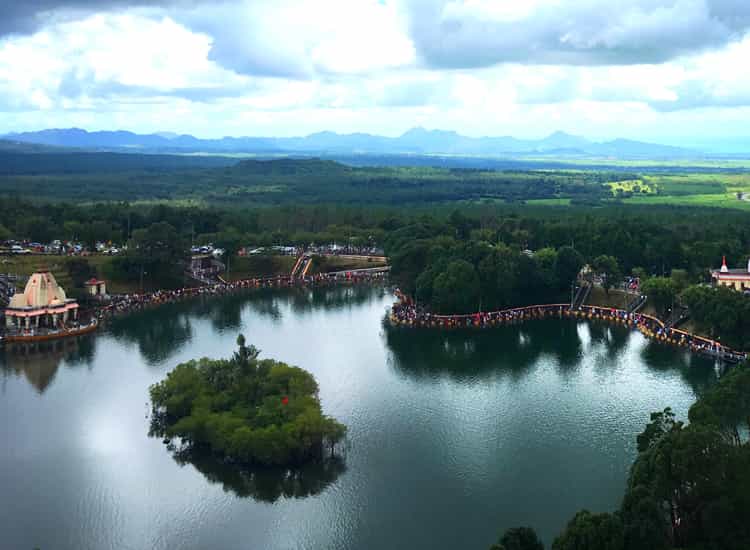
246	410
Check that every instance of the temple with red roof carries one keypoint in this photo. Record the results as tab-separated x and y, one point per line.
95	287
738	279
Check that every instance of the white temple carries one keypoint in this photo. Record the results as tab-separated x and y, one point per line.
738	279
43	304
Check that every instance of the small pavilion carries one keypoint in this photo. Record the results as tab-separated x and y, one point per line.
738	279
42	305
95	287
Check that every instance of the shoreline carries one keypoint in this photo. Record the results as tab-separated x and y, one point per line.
404	314
131	303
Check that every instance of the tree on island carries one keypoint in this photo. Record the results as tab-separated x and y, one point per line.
245	409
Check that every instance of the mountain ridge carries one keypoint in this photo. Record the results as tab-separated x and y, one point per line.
416	140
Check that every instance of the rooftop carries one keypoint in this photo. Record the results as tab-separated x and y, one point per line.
731	273
42	291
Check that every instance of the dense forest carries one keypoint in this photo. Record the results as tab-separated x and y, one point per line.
228	182
688	487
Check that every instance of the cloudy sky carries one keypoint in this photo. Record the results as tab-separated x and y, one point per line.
662	70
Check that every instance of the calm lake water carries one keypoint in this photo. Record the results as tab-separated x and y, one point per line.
453	437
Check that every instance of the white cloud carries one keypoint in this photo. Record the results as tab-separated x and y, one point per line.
290	67
290	38
474	33
106	56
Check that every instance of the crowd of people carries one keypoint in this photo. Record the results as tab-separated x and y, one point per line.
406	313
127	303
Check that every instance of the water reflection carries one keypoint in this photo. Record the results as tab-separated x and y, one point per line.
699	372
445	418
481	353
334	298
224	315
512	350
162	332
264	484
158	333
39	362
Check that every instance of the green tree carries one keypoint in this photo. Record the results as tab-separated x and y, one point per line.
587	531
688	486
230	241
156	252
609	268
720	312
80	271
456	290
680	278
73	230
661	292
519	538
5	233
568	265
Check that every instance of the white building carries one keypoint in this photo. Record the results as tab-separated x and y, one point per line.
43	304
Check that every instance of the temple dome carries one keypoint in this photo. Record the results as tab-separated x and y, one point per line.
41	290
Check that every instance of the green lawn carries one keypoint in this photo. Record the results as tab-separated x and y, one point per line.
259	266
549	202
725	200
328	264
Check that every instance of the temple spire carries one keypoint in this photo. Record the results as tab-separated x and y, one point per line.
724	268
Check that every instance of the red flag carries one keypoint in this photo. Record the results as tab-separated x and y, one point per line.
285	400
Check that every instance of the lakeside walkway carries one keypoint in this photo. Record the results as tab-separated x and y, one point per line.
126	303
405	313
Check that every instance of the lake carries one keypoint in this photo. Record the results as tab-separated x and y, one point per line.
453	436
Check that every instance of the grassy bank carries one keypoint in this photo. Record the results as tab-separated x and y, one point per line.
259	266
328	264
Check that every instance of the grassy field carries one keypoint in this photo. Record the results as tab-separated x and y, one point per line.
724	200
328	264
549	202
259	266
616	298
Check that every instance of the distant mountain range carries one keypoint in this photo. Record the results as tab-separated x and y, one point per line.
415	141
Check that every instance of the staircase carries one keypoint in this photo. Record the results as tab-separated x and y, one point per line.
636	303
299	271
679	315
296	269
581	296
